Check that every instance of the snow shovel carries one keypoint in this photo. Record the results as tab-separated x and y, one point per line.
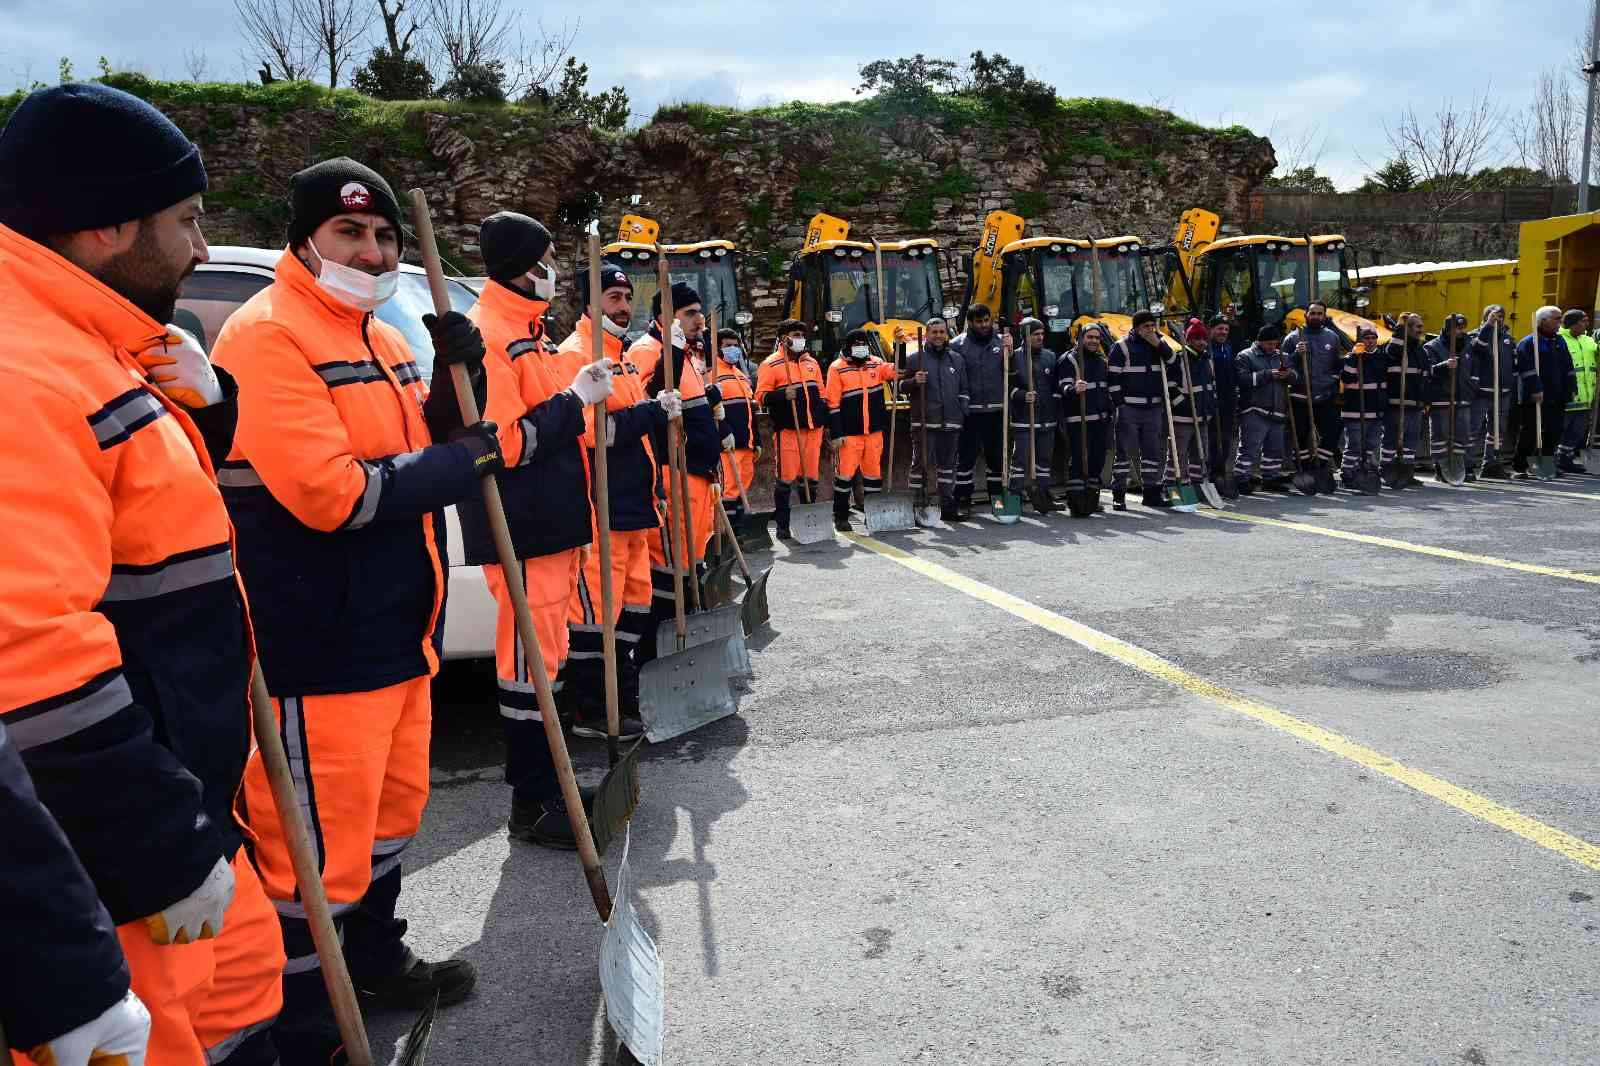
1544	466
1305	482
645	959
1399	473
1366	473
927	517
631	977
686	685
1188	502
415	1050
754	611
1007	506
890	511
1080	502
1208	489
1454	467
812	521
1321	469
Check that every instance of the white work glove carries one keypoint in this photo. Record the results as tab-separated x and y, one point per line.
179	367
671	401
116	1038
728	443
592	383
197	916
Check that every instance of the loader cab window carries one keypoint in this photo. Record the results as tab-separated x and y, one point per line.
1227	278
714	274
1122	282
1281	281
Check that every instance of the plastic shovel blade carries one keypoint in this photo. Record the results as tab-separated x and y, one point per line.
1006	507
754	610
631	978
811	523
1187	497
1545	468
889	512
684	690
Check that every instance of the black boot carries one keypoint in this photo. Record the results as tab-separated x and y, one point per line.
841	522
1494	472
590	723
1042	502
1119	498
420	982
1156	496
1248	486
546	823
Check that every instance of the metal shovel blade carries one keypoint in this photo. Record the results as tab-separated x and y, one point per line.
1214	498
1367	481
616	799
414	1052
716	588
684	690
811	523
1305	482
630	976
754	536
706	627
1544	468
1007	507
927	516
754	611
1325	482
1454	469
889	512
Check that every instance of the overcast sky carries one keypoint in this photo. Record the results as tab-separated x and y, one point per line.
1281	69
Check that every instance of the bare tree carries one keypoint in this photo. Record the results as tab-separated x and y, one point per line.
1549	135
336	28
469	33
1448	148
533	64
1297	150
195	63
275	38
399	41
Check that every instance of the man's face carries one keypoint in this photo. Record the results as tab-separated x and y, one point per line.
790	337
1414	328
1581	327
1549	326
617	305
364	242
1091	341
938	334
1270	347
1316	316
1497	317
982	328
1149	333
692	319
1036	340
162	250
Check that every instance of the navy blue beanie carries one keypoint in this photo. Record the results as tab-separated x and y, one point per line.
82	155
339	186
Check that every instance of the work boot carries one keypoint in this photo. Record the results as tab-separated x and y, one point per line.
1155	497
964	509
1494	472
1042	503
590	723
783	532
1119	498
546	823
949	512
841	522
1248	486
416	985
1276	484
1571	466
1471	476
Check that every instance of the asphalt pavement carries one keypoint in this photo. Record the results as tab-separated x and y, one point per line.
1322	787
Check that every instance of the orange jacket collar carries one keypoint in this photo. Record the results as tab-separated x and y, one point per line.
76	296
294	275
585	329
508	305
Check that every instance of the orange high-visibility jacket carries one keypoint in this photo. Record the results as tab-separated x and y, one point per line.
702	442
545	489
738	405
124	641
337	491
855	397
630	419
774	377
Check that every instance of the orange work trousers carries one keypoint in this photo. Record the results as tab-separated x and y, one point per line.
630	589
703	523
550	581
361	760
206	997
799	450
744	461
862	455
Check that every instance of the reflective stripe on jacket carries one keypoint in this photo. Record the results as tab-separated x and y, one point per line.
778	371
1582	350
946	388
1325	350
124	644
1044	389
545	487
738	404
1551	374
1096	399
336	490
854	391
1259	391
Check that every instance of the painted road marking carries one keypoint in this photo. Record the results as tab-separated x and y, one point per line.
1468	802
1405	545
1531	490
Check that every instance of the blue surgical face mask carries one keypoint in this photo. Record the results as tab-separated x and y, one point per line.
732	353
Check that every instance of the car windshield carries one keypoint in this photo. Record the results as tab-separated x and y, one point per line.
911	278
410	302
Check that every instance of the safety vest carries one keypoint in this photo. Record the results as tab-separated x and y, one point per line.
1582	349
120	612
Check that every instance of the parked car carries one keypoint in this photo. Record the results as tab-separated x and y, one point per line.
218	288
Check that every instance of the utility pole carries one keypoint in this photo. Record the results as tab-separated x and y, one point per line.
1589	71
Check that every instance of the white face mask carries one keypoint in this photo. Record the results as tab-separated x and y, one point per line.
797	344
611	327
544	288
363	291
732	353
678	339
860	352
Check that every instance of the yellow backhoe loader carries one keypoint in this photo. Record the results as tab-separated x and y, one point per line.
712	267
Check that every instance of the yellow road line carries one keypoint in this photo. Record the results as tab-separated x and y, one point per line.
1404	545
1532	490
1464	800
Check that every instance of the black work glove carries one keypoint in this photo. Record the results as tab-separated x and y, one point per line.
455	340
442	411
483	441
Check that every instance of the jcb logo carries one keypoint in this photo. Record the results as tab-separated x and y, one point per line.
1187	239
989	240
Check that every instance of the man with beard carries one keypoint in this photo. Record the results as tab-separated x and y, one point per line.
857	417
1546	380
1444	357
1085	408
980	351
124	644
1485	423
1033	442
938	399
1135	369
1403	427
342	466
1263	372
1322	348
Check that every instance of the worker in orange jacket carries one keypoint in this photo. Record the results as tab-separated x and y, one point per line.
337	483
545	491
789	386
857	417
736	419
702	449
125	643
631	419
